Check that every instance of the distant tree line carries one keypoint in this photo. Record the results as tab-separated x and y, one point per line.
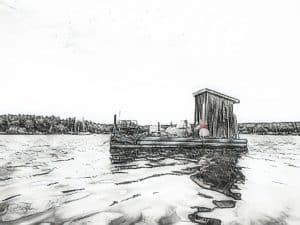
275	128
33	124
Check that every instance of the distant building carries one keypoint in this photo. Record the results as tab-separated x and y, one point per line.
216	109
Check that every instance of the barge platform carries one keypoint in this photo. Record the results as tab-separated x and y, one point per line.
215	126
178	142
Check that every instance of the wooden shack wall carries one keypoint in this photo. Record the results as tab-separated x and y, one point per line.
218	114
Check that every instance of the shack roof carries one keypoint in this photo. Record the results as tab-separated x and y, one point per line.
206	90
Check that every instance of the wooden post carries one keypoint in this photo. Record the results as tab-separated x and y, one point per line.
196	111
158	128
203	111
227	115
206	108
115	124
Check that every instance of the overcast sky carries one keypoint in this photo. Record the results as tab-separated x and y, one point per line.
92	58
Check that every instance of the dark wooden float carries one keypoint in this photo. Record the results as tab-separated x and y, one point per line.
178	142
215	108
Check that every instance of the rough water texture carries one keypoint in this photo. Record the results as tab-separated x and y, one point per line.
65	179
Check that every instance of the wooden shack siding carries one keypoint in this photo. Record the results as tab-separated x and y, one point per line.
218	114
197	119
199	100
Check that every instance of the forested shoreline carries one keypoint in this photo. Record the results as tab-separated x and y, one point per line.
275	128
37	124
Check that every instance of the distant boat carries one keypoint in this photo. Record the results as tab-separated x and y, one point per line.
79	133
77	129
84	133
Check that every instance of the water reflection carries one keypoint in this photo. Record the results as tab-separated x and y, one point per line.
77	180
215	170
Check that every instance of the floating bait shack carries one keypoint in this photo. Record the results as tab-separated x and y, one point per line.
215	126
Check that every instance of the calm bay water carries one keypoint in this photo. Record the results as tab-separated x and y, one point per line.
68	179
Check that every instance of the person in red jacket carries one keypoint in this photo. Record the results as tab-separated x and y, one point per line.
203	129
